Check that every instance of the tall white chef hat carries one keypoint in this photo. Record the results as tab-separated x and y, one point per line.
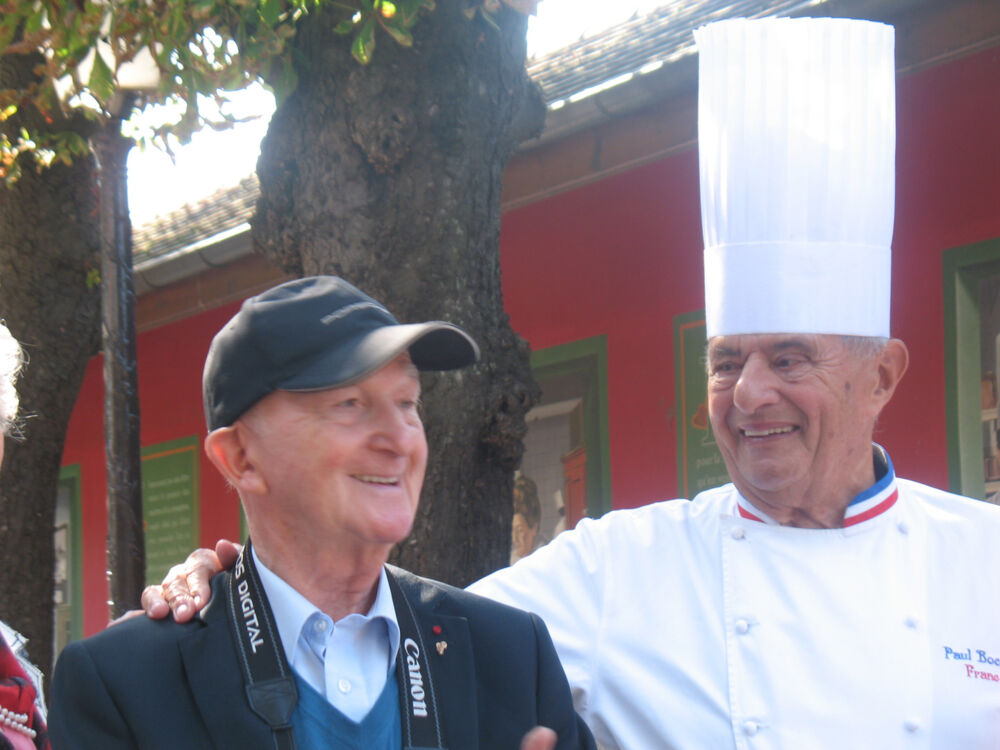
796	133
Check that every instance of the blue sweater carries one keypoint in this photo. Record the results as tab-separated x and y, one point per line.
318	725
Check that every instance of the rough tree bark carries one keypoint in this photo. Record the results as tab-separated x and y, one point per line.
48	243
389	175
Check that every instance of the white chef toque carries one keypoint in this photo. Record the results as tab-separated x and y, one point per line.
796	143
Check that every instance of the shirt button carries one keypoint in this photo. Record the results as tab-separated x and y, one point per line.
739	533
912	622
911	725
903	527
344	685
750	728
320	625
742	627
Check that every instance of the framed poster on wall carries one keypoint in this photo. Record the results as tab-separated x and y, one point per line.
170	507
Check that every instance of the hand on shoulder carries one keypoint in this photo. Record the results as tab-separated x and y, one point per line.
186	588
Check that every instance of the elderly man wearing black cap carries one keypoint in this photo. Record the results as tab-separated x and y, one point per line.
311	394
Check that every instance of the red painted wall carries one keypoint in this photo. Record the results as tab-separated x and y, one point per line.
622	257
947	195
170	363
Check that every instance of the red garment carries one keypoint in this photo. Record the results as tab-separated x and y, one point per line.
18	694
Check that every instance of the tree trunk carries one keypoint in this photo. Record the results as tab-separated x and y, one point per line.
48	244
389	175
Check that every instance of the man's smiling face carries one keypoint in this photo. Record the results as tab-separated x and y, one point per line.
793	415
343	466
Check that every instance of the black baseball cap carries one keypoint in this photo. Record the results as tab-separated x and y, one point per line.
312	334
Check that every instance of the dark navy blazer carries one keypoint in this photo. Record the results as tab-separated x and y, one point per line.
155	684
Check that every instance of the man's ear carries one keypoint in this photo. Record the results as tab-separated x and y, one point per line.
226	447
892	363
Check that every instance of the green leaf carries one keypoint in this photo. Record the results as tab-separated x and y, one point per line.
33	22
102	80
344	27
77	144
270	12
282	79
397	32
364	42
407	11
488	17
7	28
410	9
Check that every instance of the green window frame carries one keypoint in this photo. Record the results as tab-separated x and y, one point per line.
68	616
962	269
588	360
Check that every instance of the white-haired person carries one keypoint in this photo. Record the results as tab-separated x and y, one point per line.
22	722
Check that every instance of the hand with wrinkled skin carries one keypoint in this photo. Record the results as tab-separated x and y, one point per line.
186	588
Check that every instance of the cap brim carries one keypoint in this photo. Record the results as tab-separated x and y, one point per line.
432	346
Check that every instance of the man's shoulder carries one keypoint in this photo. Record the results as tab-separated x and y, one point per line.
137	637
444	598
948	505
141	637
658	517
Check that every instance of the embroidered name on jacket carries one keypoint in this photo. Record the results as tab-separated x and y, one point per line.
979	664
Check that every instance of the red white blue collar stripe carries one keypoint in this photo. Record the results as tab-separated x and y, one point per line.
866	505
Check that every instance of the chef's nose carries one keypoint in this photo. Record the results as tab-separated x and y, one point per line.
756	386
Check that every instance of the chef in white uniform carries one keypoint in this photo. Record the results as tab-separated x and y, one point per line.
818	601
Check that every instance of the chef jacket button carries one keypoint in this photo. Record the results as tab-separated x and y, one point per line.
912	622
742	627
750	728
344	685
911	725
904	528
739	533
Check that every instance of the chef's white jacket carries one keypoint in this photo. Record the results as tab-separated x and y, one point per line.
688	624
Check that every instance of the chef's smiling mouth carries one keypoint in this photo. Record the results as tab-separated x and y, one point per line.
373	479
763	432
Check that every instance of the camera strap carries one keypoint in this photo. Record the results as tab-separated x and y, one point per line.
417	698
270	684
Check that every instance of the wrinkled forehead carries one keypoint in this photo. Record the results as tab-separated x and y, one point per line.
402	374
741	345
400	367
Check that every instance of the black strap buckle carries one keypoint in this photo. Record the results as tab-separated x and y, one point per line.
270	685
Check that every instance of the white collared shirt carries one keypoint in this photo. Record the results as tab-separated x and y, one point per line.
349	661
